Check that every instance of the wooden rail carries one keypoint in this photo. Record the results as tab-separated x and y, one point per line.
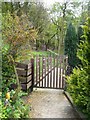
26	74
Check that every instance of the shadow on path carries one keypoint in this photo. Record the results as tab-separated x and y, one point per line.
50	103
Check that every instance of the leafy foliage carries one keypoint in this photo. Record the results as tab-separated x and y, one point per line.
14	108
79	81
79	88
39	17
17	34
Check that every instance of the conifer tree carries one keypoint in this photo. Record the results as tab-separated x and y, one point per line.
71	45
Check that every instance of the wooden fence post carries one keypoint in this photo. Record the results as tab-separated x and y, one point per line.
32	62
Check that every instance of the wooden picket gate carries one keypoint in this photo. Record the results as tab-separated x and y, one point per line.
50	72
43	72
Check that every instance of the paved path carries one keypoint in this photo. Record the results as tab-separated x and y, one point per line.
49	103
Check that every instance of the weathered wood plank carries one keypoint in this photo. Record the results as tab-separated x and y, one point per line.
21	72
26	86
29	72
22	79
21	65
29	84
24	73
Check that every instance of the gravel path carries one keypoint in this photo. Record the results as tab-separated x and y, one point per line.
50	103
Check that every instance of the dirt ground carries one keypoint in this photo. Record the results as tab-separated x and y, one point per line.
50	103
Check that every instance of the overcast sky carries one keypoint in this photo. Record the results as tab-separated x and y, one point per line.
49	3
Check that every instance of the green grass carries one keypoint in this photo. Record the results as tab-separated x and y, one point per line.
32	54
44	53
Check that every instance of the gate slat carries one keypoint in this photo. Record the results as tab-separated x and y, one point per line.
54	74
39	70
45	73
60	73
51	72
48	71
57	72
42	71
36	69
